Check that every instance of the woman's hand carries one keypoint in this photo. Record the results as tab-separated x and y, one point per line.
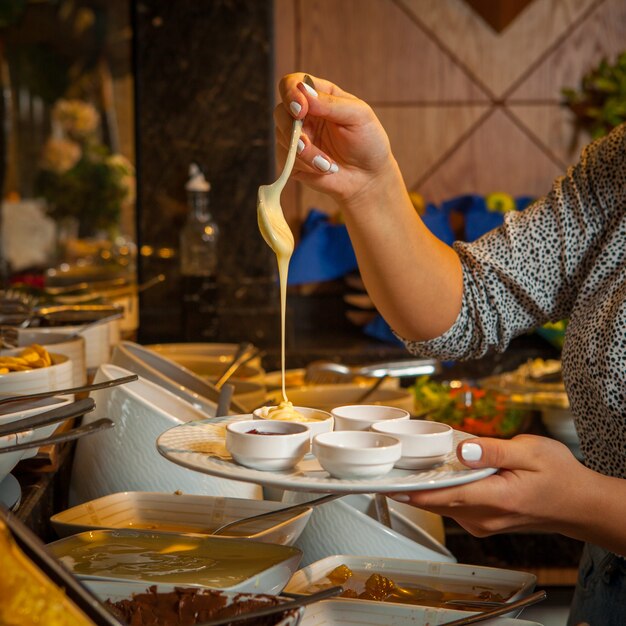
538	487
344	149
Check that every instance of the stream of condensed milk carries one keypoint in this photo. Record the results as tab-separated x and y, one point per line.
279	238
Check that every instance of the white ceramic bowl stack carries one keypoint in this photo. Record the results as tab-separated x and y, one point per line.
8	460
60	341
59	375
125	458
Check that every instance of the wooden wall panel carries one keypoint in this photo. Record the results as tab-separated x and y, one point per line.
352	41
498	60
467	109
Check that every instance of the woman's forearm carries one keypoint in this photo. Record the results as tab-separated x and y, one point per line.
414	279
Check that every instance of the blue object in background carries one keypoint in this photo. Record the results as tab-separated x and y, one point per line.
325	251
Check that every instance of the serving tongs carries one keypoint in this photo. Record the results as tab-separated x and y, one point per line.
35	551
71	390
331	372
60	414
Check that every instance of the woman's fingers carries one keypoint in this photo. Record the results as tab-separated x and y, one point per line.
521	452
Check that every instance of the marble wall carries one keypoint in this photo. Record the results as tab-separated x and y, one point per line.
204	93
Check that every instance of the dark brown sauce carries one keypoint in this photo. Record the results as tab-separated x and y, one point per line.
254	431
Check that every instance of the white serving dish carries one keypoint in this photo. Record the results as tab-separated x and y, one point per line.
356	454
169	512
327	397
362	416
350	526
180	380
268	445
177	558
125	458
450	578
55	376
209	368
318	421
116	592
220	352
59	341
344	612
8	460
424	443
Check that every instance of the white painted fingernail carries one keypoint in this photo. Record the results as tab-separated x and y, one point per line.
295	107
334	168
400	497
310	90
471	452
321	163
300	147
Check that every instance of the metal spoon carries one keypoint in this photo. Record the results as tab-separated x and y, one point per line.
65	412
102	424
240	355
222	530
278	608
71	390
533	598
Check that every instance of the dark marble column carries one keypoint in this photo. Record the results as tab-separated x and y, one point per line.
204	87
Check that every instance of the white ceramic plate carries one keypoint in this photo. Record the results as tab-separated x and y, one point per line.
171	512
452	578
200	446
350	612
177	558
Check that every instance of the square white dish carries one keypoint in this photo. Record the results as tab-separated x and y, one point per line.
365	613
174	558
453	579
170	512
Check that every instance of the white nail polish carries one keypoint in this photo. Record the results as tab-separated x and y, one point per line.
295	107
321	163
300	147
401	497
310	90
334	168
471	452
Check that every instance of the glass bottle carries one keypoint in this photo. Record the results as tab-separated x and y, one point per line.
199	260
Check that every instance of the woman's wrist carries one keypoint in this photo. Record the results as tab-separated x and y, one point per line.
385	187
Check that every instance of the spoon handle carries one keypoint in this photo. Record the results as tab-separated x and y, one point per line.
60	414
101	424
294	507
506	608
278	608
61	392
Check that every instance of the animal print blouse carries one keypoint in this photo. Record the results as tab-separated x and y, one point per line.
564	257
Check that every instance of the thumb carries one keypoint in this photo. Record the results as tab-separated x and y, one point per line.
517	453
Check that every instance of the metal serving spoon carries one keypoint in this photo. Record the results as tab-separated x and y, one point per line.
225	529
296	603
102	424
71	390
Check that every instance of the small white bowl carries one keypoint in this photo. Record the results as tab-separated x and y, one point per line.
59	375
274	445
356	454
362	416
317	421
424	443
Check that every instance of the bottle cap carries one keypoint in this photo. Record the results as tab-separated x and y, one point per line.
197	181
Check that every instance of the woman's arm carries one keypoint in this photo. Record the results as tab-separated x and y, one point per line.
414	279
539	486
